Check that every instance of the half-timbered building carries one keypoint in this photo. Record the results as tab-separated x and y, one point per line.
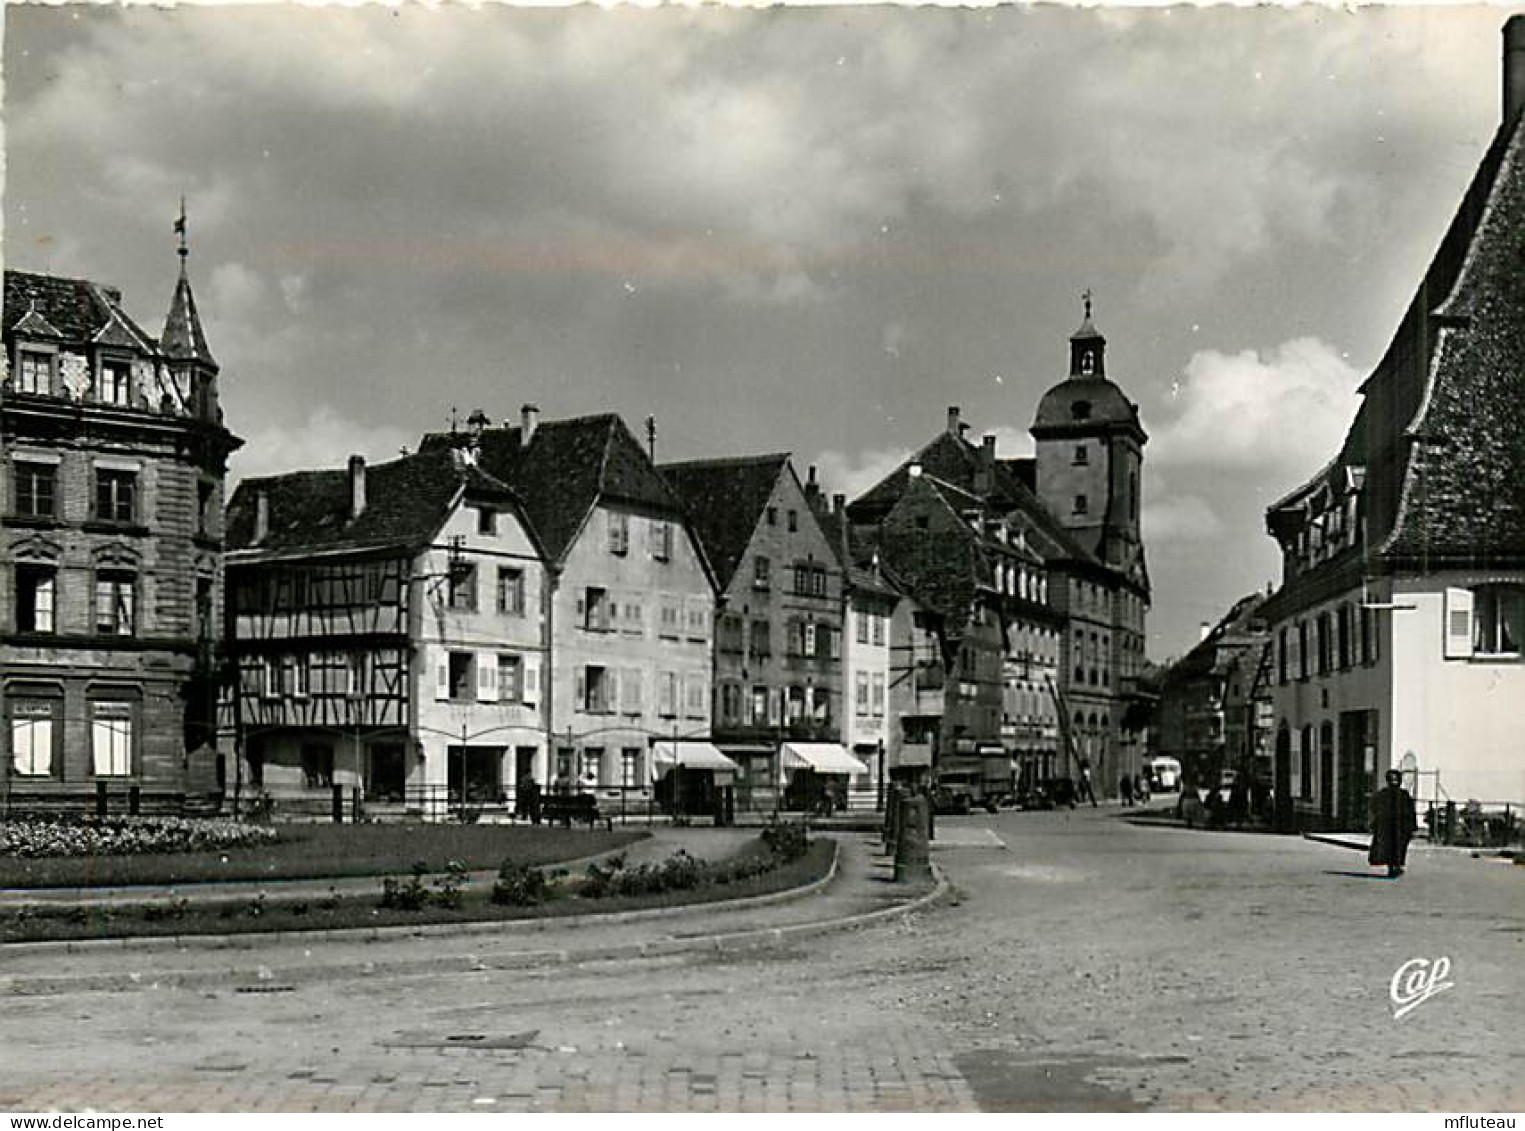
112	460
389	629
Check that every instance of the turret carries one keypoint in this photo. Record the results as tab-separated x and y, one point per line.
185	345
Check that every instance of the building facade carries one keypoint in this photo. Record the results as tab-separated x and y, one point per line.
1399	623
1071	673
113	456
630	605
388	626
779	641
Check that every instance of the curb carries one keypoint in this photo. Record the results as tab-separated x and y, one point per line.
264	977
251	940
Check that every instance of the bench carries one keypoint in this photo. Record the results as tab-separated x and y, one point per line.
569	807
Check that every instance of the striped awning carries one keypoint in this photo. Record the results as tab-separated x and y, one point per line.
822	757
691	755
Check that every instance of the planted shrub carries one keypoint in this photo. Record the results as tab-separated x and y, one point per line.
786	840
447	889
124	836
520	885
409	896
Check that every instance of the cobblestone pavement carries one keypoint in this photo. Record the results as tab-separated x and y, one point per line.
1089	964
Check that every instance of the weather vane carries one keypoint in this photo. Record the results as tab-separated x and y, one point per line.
184	250
1086	295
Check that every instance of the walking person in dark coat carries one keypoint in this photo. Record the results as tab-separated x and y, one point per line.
1392	824
1125	788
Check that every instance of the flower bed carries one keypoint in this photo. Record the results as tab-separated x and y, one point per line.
127	836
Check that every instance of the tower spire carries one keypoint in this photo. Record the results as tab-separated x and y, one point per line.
184	249
183	339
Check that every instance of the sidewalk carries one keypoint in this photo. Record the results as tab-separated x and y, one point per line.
704	843
859	893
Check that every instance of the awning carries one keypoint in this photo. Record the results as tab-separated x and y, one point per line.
822	757
692	755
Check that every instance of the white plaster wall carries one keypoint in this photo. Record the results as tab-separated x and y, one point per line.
633	578
441	630
1465	717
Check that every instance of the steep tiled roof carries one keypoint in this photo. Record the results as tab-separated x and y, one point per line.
183	339
566	468
725	498
76	310
957	462
1463	490
406	501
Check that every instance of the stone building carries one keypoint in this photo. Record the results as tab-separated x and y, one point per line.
1399	623
779	709
1213	701
113	455
1076	506
630	607
389	633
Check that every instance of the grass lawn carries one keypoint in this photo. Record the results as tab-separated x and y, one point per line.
362	911
320	851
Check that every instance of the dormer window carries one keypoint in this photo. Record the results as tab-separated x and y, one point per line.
115	385
1082	505
1081	410
34	371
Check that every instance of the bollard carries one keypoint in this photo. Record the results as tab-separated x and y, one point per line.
912	852
357	805
892	819
134	800
100	800
338	803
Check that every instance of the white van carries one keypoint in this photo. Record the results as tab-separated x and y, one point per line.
1165	773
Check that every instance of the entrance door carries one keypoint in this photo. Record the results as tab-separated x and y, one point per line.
1283	780
1355	779
1326	770
387	779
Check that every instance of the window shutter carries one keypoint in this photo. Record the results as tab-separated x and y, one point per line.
487	677
442	679
530	695
1294	652
1458	627
582	688
631	689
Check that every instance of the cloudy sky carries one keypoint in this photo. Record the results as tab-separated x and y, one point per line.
807	230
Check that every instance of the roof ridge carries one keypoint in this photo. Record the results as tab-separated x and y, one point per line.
726	461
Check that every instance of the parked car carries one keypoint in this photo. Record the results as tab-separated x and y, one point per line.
954	792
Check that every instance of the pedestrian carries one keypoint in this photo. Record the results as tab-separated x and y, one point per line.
1125	788
1392	824
1086	789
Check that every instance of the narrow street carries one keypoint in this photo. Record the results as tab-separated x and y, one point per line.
1087	963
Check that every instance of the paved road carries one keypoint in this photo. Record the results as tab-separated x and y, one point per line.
1088	964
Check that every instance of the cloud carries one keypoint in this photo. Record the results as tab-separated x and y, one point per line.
325	439
1181	518
1282	413
853	473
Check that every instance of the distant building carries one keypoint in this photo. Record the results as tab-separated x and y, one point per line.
631	603
389	631
1215	699
113	455
1076	507
779	709
875	659
1399	627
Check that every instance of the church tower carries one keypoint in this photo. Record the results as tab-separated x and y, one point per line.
1090	453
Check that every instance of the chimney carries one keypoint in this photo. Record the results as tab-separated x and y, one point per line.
529	420
812	491
1514	67
261	515
839	504
844	541
984	474
954	427
914	471
356	487
1204	630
